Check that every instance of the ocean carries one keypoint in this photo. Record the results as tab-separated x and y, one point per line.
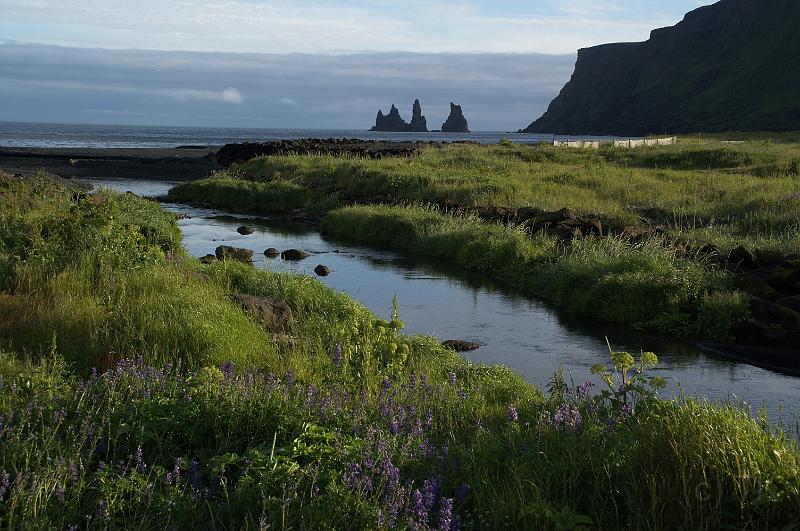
42	135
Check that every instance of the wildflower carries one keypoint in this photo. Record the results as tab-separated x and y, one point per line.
140	464
5	481
462	394
566	417
290	378
337	355
462	491
60	494
582	391
73	471
446	514
451	377
513	415
227	369
102	510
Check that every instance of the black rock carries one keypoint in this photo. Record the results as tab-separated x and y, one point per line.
244	230
294	254
322	270
272	252
460	346
225	252
455	123
393	122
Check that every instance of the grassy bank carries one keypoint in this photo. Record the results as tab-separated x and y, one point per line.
649	283
200	416
681	199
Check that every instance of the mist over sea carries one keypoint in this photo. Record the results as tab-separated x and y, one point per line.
42	135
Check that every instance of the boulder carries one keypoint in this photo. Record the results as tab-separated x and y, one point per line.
768	258
273	314
526	213
294	254
244	230
774	314
593	227
322	270
555	217
208	259
565	232
460	346
225	252
272	252
742	258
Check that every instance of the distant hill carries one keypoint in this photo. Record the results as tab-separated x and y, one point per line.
730	66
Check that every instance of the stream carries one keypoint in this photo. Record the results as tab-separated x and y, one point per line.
447	302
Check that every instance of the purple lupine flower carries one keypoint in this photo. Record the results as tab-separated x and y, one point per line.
462	394
583	390
412	381
102	510
5	481
625	411
513	415
462	491
337	355
311	391
73	472
60	494
290	378
446	514
140	465
566	417
227	369
420	509
451	378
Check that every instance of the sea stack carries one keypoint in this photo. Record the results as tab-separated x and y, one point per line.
455	123
394	123
418	123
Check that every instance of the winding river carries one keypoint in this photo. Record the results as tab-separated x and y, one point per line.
449	303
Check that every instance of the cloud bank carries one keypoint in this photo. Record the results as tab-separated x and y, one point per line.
60	84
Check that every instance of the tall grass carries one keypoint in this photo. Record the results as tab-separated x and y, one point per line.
606	278
347	423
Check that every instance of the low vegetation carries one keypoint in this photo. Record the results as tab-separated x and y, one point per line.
687	206
135	393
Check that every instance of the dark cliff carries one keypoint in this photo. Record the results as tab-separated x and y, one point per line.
455	123
733	65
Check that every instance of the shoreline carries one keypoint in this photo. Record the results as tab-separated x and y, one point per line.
179	163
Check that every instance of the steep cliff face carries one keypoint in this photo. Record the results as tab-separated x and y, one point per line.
455	123
733	65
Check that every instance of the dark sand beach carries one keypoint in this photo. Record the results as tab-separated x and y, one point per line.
191	162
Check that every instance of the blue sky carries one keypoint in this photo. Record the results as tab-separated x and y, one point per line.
325	64
324	26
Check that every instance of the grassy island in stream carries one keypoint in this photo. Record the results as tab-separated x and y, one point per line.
668	217
134	392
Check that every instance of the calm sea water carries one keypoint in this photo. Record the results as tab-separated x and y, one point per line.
15	134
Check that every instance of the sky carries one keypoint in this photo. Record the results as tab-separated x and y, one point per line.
319	63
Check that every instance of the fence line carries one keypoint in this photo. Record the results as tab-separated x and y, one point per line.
668	141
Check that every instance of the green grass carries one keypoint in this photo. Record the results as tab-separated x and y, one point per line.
727	194
607	278
290	436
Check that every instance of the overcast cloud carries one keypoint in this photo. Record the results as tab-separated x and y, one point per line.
58	84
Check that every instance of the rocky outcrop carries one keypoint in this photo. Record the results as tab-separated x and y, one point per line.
394	123
455	123
730	66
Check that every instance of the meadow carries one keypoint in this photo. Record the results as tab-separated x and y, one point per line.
670	216
134	392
